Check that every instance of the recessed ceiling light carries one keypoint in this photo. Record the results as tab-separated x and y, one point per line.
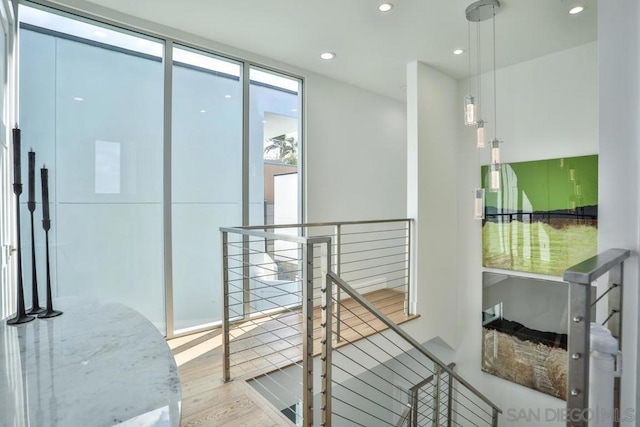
327	55
227	96
78	98
458	51
264	121
294	110
203	111
576	10
385	7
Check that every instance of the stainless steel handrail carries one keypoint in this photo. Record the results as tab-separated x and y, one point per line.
428	379
591	269
320	224
408	338
274	236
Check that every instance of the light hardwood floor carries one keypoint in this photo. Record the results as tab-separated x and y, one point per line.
207	401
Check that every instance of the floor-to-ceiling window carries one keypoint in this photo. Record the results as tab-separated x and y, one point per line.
91	107
206	173
94	106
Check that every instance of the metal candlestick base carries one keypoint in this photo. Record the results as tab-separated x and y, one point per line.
36	310
50	312
19	319
21	315
35	304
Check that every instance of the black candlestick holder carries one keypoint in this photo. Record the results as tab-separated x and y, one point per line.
21	316
35	304
49	312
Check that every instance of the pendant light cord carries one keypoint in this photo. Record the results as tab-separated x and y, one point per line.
495	102
469	49
478	56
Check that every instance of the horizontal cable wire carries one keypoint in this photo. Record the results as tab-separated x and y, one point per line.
469	410
405	253
376	266
374	249
388	272
467	419
365	338
349	419
363	381
478	406
388	339
374	241
358	409
366	398
373	231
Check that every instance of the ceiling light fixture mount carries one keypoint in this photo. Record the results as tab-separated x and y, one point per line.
385	7
482	10
458	51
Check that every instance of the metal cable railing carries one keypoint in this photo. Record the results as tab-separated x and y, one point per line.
371	380
284	303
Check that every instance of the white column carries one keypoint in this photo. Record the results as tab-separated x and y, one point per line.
619	71
432	108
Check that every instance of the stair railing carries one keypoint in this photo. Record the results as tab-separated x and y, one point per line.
581	305
351	391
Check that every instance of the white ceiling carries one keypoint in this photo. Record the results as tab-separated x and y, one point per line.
372	48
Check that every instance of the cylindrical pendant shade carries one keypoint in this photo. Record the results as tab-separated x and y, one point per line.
494	177
480	141
469	111
478	206
495	151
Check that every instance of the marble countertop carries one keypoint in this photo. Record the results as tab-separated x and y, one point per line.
99	364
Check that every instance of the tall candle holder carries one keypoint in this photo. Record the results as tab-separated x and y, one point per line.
31	205
46	224
21	315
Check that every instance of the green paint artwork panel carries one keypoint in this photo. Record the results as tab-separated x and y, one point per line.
544	218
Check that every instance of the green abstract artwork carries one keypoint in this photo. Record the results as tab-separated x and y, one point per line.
544	218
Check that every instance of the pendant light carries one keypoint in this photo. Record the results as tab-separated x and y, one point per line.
469	100
479	11
480	138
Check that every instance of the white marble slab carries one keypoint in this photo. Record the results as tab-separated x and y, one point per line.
99	364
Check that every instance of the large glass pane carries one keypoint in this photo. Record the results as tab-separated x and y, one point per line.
91	105
206	180
275	139
274	179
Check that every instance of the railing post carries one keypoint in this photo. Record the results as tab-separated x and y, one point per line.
327	346
338	272
307	334
579	345
450	402
246	284
414	407
494	418
407	308
226	365
616	276
436	397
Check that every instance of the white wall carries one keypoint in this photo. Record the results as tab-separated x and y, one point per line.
355	154
619	73
539	119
